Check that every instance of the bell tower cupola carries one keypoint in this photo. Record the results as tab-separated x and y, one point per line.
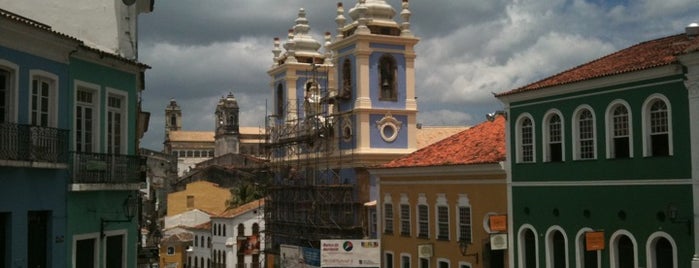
227	136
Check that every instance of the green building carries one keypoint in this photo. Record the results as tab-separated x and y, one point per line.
604	160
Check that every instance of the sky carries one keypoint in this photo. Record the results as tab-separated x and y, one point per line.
200	50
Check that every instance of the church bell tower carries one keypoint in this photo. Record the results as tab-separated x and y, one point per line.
227	136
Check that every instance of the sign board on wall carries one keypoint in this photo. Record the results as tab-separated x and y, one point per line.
350	253
498	223
594	241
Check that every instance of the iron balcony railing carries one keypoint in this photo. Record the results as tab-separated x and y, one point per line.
20	142
107	168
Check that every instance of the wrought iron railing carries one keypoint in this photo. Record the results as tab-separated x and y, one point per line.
107	168
33	143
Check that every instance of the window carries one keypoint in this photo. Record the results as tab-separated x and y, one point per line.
662	253
464	219
443	263
442	217
423	221
553	137
404	215
116	124
346	92
115	253
623	251
170	250
388	218
42	102
525	139
527	248
405	261
85	118
85	251
584	134
585	258
190	201
387	78
619	131
280	101
388	259
7	92
556	249
424	263
658	128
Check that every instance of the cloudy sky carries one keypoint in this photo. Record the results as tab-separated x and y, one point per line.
201	50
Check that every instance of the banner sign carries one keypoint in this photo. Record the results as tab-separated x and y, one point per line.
594	241
350	253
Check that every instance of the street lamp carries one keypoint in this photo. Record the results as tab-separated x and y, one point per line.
463	247
129	207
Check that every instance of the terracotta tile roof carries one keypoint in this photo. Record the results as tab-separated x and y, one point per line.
481	144
203	226
431	134
646	55
233	212
207	136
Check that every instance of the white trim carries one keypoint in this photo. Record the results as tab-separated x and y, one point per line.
124	95
613	242
593	182
645	116
549	245
609	126
580	248
520	246
385	258
545	131
97	117
518	137
575	121
53	95
96	250
650	246
13	96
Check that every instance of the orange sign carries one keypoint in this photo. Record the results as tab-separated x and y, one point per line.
498	223
594	240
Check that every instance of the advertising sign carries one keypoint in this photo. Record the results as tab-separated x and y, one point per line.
248	245
350	253
498	223
594	241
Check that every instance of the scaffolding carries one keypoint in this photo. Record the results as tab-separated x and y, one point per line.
311	198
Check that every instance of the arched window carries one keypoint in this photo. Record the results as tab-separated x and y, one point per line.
556	249
196	241
241	230
657	126
280	101
527	248
584	130
618	130
346	92
173	120
525	139
387	78
662	251
623	250
553	137
208	242
586	258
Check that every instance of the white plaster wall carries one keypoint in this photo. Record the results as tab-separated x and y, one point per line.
108	25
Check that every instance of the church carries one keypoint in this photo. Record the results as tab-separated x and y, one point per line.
193	147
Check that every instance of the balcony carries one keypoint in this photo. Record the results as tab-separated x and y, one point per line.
94	171
33	146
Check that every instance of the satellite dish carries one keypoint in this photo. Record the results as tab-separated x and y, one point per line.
129	2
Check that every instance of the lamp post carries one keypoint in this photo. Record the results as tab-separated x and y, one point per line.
463	247
129	207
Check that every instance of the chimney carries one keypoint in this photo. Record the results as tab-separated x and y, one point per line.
692	30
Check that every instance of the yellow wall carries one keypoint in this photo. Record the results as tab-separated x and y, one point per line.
207	196
486	194
179	257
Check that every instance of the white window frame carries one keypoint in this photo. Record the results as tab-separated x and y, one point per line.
404	202
96	117
549	244
12	103
465	264
580	248
441	202
386	255
520	244
443	260
125	257
546	135
464	202
388	201
95	251
518	138
609	127
422	201
647	149
576	132
650	248
613	251
124	119
53	95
